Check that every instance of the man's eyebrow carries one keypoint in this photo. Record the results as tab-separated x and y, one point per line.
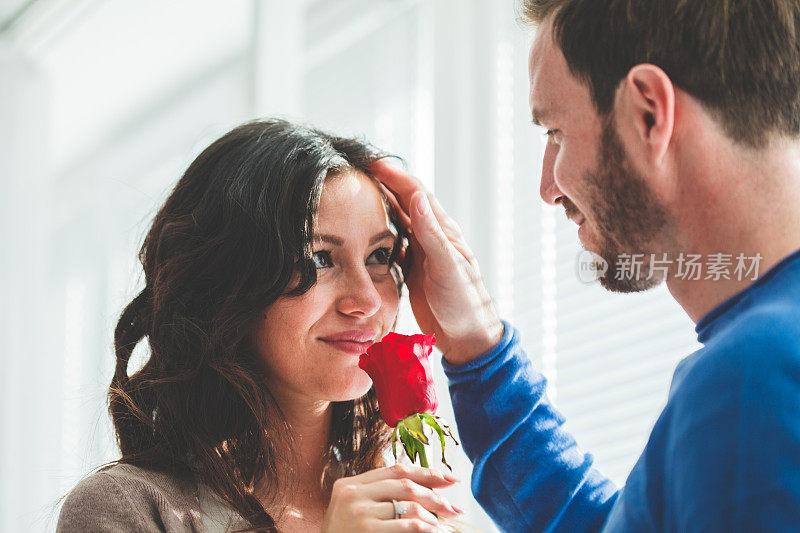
538	116
337	241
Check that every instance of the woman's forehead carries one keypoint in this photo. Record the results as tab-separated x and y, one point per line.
352	199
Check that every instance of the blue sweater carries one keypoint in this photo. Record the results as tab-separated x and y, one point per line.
724	454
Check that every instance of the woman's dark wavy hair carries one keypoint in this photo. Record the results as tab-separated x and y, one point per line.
224	246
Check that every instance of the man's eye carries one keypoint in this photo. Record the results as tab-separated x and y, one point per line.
383	254
324	256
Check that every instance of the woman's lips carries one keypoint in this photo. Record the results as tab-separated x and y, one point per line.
356	348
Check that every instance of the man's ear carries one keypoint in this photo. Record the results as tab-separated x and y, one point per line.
650	103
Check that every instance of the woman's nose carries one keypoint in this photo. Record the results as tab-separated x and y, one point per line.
359	296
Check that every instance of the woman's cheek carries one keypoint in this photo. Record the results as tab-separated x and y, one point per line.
390	299
388	286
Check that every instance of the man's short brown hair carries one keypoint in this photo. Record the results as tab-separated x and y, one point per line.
739	58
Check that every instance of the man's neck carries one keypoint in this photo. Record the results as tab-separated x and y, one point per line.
746	205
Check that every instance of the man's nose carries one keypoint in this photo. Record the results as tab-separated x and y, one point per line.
548	189
359	296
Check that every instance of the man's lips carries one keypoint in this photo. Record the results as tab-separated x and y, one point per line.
578	220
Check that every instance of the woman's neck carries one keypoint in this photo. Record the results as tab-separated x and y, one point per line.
302	494
310	424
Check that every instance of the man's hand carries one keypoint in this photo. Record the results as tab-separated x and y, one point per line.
447	294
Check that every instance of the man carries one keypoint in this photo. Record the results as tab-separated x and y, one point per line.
674	128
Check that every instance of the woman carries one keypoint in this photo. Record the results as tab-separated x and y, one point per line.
271	266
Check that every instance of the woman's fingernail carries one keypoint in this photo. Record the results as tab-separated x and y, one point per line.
457	509
450	478
424	207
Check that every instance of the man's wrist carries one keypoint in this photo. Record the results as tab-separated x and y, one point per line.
467	349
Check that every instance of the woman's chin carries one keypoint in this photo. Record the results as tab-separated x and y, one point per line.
351	390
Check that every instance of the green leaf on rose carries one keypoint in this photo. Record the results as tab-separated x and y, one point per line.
409	443
394	444
447	430
413	424
436	427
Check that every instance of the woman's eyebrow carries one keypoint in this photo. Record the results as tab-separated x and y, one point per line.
337	241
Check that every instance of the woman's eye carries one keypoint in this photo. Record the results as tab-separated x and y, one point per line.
321	255
383	254
322	259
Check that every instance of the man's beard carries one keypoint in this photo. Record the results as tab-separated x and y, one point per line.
627	215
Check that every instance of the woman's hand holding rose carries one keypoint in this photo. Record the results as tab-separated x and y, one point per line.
364	502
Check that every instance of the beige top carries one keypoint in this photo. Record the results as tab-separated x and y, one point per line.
130	498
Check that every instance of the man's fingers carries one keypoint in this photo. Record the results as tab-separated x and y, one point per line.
444	219
401	189
403	185
411	255
428	231
405	221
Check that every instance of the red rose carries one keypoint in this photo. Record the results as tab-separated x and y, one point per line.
401	373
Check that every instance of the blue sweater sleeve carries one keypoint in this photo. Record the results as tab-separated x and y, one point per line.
734	445
528	473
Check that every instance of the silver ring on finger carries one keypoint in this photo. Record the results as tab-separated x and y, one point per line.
400	509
